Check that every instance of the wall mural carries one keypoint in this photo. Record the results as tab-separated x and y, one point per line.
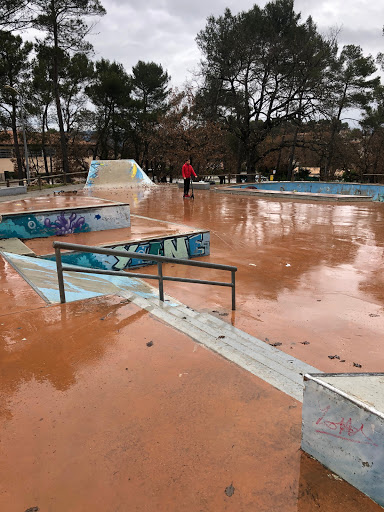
56	223
182	246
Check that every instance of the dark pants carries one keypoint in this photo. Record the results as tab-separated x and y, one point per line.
186	185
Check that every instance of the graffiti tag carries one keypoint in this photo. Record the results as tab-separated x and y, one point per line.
343	429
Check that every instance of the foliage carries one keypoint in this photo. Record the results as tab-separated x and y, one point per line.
109	91
274	94
64	28
14	14
14	70
261	69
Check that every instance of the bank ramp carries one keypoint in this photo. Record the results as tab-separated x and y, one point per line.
106	174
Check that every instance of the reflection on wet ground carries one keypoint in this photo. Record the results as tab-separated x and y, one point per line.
15	293
106	409
307	272
52	202
49	344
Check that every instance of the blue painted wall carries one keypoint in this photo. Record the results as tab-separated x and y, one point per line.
319	187
56	223
182	246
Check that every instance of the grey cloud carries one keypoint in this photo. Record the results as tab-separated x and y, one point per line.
164	31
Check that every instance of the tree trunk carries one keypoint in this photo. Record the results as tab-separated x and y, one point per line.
291	175
20	170
43	141
63	139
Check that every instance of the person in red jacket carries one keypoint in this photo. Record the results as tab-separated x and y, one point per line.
187	172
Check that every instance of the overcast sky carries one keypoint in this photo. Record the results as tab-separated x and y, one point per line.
164	31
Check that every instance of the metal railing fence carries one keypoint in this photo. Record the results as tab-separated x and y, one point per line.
40	178
159	259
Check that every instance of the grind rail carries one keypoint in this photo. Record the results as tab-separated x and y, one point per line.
158	259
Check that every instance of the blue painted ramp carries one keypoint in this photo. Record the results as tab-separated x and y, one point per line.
116	174
42	276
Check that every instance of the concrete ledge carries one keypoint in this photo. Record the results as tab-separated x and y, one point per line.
185	245
15	246
198	185
294	195
13	191
343	427
70	219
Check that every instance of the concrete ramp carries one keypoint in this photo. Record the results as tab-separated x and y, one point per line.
116	174
41	275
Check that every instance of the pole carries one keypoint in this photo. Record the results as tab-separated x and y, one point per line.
233	291
25	140
161	283
60	276
23	127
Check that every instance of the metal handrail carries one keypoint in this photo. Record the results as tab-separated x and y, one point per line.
151	257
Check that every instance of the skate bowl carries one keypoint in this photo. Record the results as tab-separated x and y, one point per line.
315	189
13	191
106	174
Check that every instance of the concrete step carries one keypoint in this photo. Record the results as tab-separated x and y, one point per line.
241	340
268	363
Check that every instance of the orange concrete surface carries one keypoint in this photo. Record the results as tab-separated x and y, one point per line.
51	202
141	229
307	271
94	419
15	293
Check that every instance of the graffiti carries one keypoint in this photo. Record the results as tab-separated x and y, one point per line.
40	226
116	173
66	226
343	429
182	246
82	220
93	172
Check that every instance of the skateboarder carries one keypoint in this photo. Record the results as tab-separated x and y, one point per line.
187	171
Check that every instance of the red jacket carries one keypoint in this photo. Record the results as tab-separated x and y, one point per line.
188	170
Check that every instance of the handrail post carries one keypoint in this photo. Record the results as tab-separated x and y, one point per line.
161	282
60	277
233	291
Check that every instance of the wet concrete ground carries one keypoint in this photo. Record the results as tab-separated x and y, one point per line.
94	419
52	202
307	271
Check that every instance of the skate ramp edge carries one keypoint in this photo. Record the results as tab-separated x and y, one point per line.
116	174
41	275
343	427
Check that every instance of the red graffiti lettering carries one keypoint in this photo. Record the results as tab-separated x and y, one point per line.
343	429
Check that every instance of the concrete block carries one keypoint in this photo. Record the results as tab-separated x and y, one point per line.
343	427
13	191
197	185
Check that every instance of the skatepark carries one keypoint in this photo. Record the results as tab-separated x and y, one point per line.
117	401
